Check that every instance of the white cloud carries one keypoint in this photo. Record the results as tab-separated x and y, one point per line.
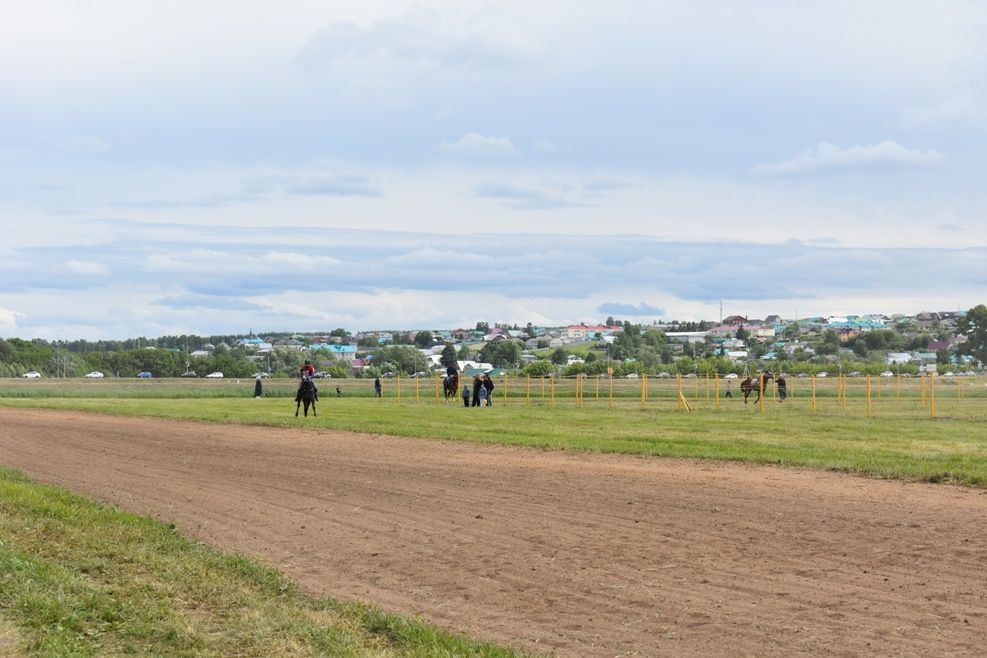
954	110
827	157
480	146
87	268
546	146
420	38
8	320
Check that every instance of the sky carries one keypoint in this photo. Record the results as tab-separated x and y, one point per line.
226	166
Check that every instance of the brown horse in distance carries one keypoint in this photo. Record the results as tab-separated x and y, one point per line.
755	385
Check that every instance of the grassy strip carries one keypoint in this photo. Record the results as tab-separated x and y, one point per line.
82	579
900	441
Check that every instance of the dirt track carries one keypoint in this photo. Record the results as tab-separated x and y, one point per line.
581	555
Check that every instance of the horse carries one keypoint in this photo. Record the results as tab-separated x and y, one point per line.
450	386
755	385
307	395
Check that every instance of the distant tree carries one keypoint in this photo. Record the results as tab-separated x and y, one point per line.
742	334
539	368
973	326
464	352
559	357
501	353
448	357
483	326
423	338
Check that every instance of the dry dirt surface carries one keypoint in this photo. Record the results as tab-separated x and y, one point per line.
553	552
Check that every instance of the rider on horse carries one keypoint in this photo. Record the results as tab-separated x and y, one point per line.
307	372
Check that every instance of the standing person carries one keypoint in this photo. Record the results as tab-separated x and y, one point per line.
483	395
729	394
339	392
377	388
258	388
466	395
782	387
477	385
489	386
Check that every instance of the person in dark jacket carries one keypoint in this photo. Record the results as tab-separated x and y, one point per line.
489	385
466	395
258	388
477	384
377	388
782	387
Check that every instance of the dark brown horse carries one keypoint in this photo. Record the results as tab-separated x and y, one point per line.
755	385
306	395
450	386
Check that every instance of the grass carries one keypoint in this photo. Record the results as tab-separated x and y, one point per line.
77	578
82	579
900	439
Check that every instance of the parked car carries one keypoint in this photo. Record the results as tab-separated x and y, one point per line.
262	375
323	375
34	374
188	373
730	375
887	373
214	375
95	374
144	375
822	374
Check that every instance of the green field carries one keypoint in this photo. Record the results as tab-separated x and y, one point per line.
895	431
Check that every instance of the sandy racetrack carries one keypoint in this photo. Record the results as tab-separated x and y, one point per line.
580	555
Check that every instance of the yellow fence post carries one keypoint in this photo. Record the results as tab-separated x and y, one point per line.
870	411
760	398
932	396
716	378
610	384
416	390
813	396
553	392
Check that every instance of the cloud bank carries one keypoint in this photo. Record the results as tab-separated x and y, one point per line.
826	158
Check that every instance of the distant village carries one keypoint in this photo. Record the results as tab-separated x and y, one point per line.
873	344
920	342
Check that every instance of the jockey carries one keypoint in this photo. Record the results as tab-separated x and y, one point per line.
308	372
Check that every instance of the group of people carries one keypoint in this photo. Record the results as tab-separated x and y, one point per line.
481	394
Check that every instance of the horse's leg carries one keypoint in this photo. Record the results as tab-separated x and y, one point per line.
298	403
313	409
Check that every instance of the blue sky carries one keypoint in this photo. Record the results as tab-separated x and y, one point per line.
224	166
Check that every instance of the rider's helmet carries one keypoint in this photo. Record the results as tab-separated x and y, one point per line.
307	362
